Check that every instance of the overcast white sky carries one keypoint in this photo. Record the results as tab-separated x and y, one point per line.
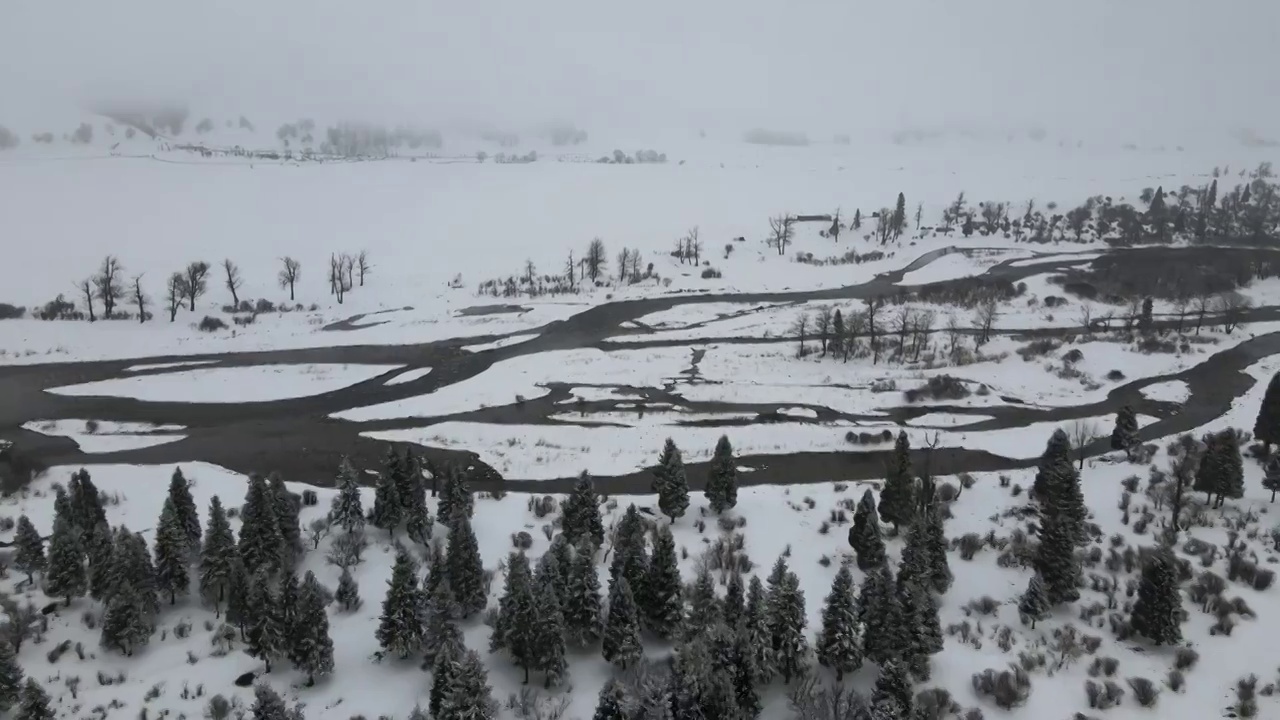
1136	67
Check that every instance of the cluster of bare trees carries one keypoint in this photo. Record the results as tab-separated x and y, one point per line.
1201	309
346	272
781	232
902	333
688	247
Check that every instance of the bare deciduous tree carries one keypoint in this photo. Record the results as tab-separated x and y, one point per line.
289	274
1184	460
855	324
635	266
362	265
780	232
86	289
175	293
874	304
349	270
595	259
1082	433
903	322
624	264
920	334
196	283
1233	306
1203	306
140	299
800	328
953	336
569	266
108	286
530	271
339	282
822	326
984	318
693	245
232	280
1181	305
1085	317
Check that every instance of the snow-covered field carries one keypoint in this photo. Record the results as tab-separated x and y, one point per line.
104	436
255	383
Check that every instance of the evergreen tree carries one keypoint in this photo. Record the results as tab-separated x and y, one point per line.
347	512
840	643
935	546
288	607
894	686
400	626
630	559
442	672
563	554
125	626
662	603
1209	472
548	634
312	649
439	631
881	616
515	629
184	508
898	497
1056	560
1125	435
857	219
100	546
1232	477
704	608
62	507
267	704
173	573
465	569
1271	480
35	703
1157	213
288	509
920	632
469	696
1267	427
131	566
621	645
10	676
28	549
581	513
549	569
86	502
722	477
670	482
612	704
1157	613
413	498
1034	603
582	600
746	674
437	569
238	593
386	501
348	593
735	602
864	534
898	221
787	622
1057	489
455	497
720	697
260	541
66	576
265	639
757	636
216	556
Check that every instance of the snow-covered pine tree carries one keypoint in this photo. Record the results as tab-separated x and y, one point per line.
260	541
288	607
1232	477
469	696
288	510
10	676
1057	488
312	649
442	671
125	626
894	686
621	645
704	608
348	593
581	513
62	507
455	497
1056	559
755	628
735	601
99	548
439	631
562	553
131	566
437	569
35	703
670	482
1267	426
238	610
86	501
840	642
1157	613
746	674
662	604
400	626
550	569
386	502
787	623
881	616
412	492
66	575
28	549
612	702
347	512
514	629
630	558
1125	435
582	597
1034	603
216	555
172	563
265	637
921	631
935	545
549	631
1271	480
898	497
465	568
722	477
864	534
184	508
267	704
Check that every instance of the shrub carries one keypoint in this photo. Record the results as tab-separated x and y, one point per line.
969	545
1115	376
985	605
1007	688
211	324
1038	348
1144	691
939	387
12	312
1263	579
935	704
542	506
709	273
1185	659
1176	680
1104	666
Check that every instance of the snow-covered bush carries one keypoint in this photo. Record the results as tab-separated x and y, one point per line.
1006	688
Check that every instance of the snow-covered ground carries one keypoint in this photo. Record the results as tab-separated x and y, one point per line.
104	436
1171	391
409	376
254	383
